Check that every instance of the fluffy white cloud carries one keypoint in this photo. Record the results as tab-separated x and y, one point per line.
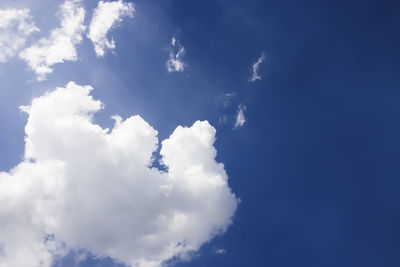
84	187
255	67
15	27
177	51
240	118
60	45
106	16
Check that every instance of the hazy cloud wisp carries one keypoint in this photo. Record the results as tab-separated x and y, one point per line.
15	27
240	118
175	62
255	76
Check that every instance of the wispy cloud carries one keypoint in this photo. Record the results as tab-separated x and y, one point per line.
220	251
224	100
227	99
225	104
175	62
223	118
255	76
105	17
15	27
60	45
240	118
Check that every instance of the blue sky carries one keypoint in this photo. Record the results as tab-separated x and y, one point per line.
314	164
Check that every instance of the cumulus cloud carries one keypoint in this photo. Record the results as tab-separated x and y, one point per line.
175	62
255	67
84	187
60	45
15	27
240	118
105	17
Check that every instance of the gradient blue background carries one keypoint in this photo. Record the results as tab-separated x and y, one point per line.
317	163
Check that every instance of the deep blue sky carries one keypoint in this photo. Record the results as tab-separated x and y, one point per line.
316	164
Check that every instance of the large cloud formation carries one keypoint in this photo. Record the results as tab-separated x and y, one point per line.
84	187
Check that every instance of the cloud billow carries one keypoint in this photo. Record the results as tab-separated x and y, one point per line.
84	187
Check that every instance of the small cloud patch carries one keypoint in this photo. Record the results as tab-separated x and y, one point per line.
175	62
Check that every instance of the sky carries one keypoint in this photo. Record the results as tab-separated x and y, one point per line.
199	133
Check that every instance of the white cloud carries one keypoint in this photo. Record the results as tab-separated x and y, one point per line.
84	187
255	67
60	45
15	27
106	16
240	118
220	251
177	51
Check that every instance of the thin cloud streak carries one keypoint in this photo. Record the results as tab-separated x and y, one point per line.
255	76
